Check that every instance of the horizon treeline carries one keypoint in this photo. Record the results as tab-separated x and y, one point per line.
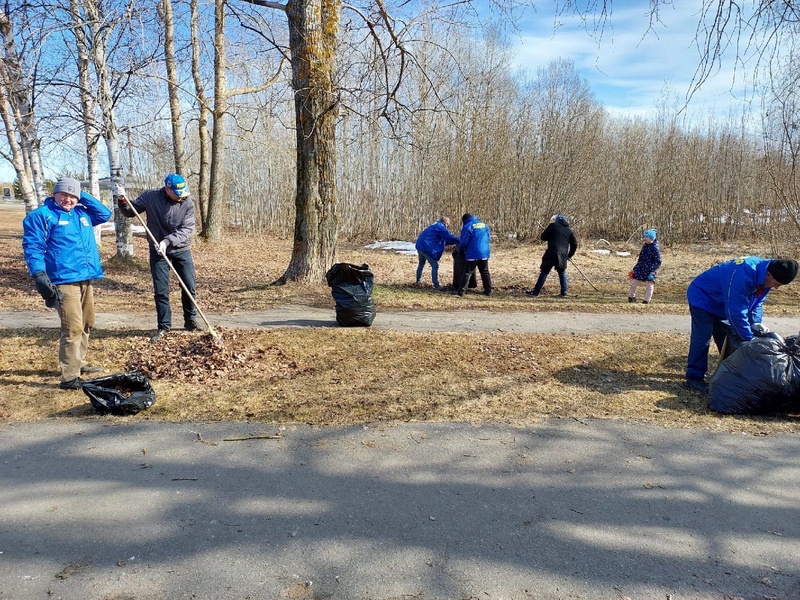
473	136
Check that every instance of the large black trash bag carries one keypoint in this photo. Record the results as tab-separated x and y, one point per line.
761	376
120	394
458	271
351	288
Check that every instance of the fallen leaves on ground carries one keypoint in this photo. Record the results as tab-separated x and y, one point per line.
196	358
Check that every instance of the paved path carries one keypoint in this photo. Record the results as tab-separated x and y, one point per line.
566	509
466	320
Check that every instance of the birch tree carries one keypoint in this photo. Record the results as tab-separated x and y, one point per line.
104	36
91	133
21	128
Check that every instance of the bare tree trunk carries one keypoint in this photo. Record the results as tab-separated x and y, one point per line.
313	37
16	158
216	207
90	133
202	122
18	97
100	30
165	10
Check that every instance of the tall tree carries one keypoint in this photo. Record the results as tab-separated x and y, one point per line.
216	207
18	104
91	132
165	12
204	115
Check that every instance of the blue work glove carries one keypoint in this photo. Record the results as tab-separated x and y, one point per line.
651	277
45	287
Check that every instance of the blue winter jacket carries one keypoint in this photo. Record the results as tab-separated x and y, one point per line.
62	243
434	238
733	290
474	240
649	261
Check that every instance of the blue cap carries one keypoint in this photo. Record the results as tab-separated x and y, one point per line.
650	233
177	184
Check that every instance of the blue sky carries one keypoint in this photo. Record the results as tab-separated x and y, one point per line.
630	66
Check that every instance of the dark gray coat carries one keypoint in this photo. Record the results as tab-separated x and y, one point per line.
561	244
166	219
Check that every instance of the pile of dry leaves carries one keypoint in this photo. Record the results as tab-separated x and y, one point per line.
181	356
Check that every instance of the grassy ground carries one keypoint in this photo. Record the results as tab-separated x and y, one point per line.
349	376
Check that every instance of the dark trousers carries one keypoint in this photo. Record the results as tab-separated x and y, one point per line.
562	279
706	326
469	270
159	269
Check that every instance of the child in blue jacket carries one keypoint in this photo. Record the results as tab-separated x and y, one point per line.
644	270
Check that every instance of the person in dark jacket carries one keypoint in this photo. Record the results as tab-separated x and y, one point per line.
474	247
644	270
61	253
561	246
430	246
734	292
170	218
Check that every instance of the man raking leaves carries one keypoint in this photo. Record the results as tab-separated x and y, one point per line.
170	226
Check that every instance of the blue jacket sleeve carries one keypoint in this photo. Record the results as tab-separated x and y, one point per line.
34	240
98	212
737	300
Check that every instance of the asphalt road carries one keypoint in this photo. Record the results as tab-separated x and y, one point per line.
464	320
566	509
112	509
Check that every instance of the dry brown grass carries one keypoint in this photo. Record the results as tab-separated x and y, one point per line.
351	376
343	376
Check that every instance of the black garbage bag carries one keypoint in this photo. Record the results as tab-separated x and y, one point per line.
351	288
761	376
458	271
120	394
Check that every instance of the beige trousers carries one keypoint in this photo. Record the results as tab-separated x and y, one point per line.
77	320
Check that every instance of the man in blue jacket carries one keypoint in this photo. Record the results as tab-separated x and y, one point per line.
474	247
62	257
734	292
430	246
170	218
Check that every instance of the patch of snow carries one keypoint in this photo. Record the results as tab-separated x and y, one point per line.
603	252
397	246
618	253
109	227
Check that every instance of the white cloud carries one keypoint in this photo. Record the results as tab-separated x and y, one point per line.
630	66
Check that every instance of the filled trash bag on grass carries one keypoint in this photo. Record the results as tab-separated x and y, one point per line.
351	288
458	271
120	394
761	376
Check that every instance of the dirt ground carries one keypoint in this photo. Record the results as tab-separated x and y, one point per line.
237	275
506	358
